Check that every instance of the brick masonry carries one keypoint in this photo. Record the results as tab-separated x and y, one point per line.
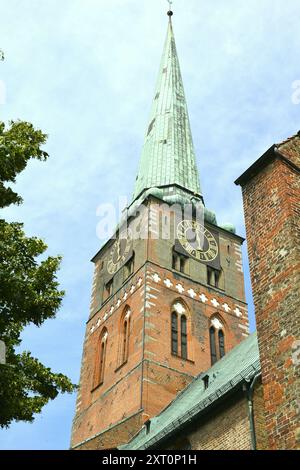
271	195
152	376
224	428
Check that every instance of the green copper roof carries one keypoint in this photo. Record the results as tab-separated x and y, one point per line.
168	156
239	365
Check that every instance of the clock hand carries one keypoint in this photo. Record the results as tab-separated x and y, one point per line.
198	240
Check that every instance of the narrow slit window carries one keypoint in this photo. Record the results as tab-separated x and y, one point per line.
100	361
221	343
174	261
182	264
151	126
213	350
125	339
108	289
174	334
183	337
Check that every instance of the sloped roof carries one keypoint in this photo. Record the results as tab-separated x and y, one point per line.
288	150
239	365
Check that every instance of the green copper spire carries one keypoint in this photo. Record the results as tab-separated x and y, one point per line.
168	158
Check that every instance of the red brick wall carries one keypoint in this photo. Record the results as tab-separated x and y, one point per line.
152	377
259	418
118	434
224	428
272	209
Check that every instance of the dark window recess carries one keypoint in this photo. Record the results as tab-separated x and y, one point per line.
213	349
156	96
183	337
148	426
182	264
179	262
165	70
151	126
206	381
102	363
174	259
174	334
213	277
108	289
129	267
221	343
125	339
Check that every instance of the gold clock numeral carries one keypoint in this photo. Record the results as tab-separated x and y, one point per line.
212	251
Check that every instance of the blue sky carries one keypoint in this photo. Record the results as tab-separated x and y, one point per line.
84	72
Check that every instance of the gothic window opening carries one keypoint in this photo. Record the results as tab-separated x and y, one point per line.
183	337
213	349
179	331
217	340
125	335
221	343
100	359
174	333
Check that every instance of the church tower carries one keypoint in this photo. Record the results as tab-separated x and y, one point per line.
168	290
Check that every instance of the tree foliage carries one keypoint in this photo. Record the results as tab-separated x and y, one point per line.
29	291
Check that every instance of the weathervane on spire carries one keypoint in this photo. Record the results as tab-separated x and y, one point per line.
170	12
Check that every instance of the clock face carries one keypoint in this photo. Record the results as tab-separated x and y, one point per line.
119	252
197	241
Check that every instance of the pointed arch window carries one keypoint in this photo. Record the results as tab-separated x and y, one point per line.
174	333
217	340
183	337
221	343
213	349
124	336
100	359
179	331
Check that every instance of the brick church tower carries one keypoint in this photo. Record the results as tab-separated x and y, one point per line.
168	291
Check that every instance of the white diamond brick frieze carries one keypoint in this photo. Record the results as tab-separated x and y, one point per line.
226	308
168	283
215	303
203	298
192	293
180	288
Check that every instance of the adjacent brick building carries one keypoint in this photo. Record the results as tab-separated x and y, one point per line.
271	194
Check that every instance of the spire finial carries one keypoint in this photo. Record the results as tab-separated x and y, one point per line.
170	12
